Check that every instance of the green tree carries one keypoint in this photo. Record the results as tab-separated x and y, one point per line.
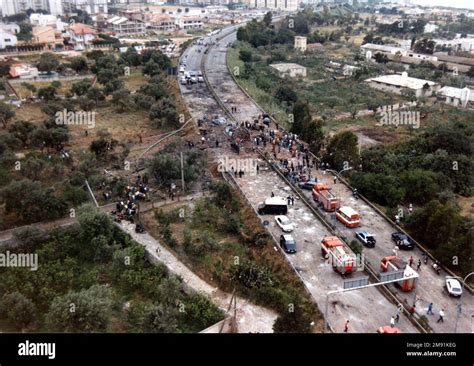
83	311
200	313
153	318
31	202
342	151
79	64
314	135
163	113
245	55
25	33
47	93
18	309
22	130
286	93
295	321
47	63
301	117
122	100
81	87
267	19
6	114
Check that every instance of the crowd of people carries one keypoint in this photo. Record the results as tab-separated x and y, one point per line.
127	208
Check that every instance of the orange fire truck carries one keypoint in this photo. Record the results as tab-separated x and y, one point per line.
324	197
342	258
388	330
348	216
393	263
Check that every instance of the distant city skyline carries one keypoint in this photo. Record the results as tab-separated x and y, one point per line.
468	4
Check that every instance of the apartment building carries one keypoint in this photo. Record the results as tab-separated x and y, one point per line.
283	5
162	22
189	22
124	26
12	7
90	6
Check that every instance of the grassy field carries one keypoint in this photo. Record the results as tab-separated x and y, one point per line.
261	97
24	92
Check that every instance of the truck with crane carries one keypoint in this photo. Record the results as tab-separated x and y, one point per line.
393	263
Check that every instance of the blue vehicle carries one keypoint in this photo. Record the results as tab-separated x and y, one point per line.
367	239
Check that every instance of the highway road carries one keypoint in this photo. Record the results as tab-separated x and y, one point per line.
366	310
430	285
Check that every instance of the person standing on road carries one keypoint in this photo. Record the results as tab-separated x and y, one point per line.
395	251
392	321
410	260
430	309
441	316
346	327
419	265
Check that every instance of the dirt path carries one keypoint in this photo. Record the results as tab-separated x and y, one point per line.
250	317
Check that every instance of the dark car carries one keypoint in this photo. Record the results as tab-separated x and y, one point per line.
308	184
402	241
367	239
288	244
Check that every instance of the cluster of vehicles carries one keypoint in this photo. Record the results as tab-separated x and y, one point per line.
189	77
339	254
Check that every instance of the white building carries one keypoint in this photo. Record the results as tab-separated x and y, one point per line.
162	22
7	39
430	28
457	44
10	27
56	7
455	96
23	71
12	7
391	50
123	26
189	22
42	19
90	6
81	35
396	83
289	69
283	5
300	43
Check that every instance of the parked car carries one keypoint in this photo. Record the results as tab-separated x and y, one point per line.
453	286
219	121
193	80
182	80
402	241
288	244
367	239
200	79
284	223
309	184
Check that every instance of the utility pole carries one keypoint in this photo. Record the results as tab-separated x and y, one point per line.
182	172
